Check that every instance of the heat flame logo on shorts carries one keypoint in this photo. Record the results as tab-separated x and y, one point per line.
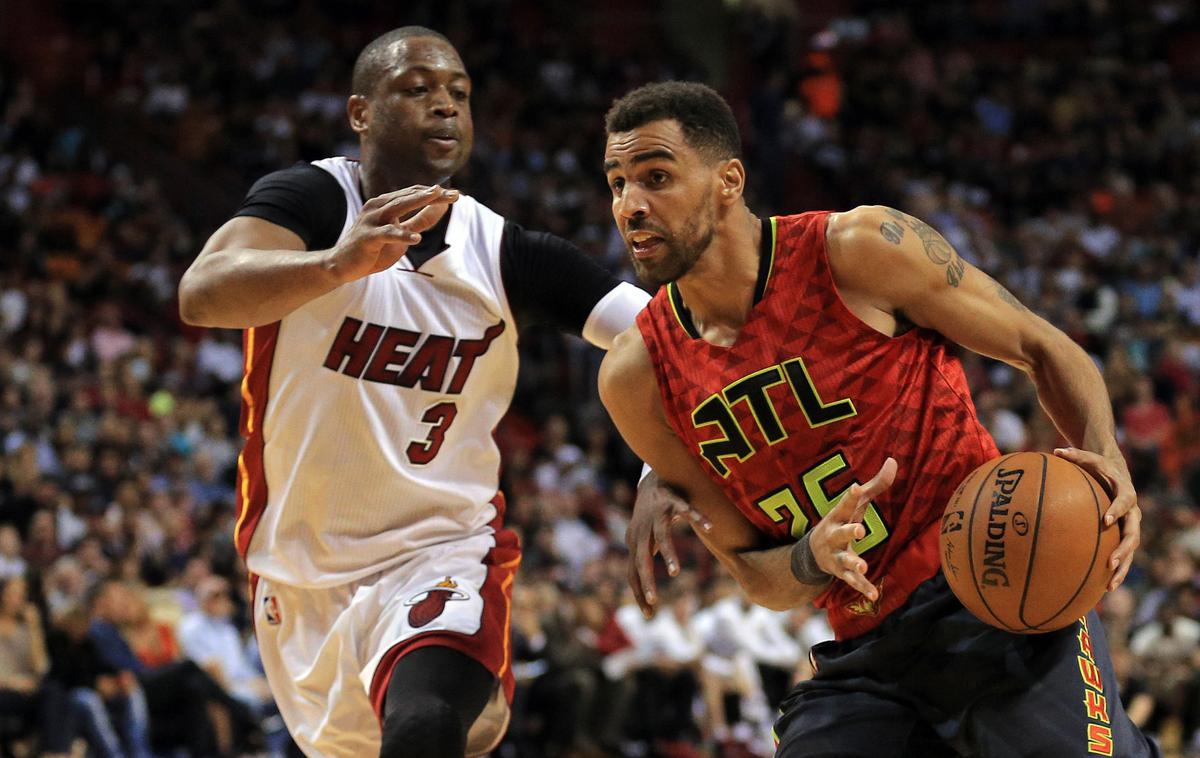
428	604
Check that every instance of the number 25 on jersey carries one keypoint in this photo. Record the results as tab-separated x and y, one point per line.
782	504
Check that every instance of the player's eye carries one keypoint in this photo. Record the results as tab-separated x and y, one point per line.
460	95
658	178
617	185
420	89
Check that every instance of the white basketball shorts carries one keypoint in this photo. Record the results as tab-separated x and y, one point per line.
329	653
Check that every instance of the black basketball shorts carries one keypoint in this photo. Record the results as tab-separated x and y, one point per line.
932	681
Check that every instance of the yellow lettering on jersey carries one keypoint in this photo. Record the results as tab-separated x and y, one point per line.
814	486
816	411
780	505
753	390
733	442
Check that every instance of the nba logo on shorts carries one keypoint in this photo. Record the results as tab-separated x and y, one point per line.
428	604
271	610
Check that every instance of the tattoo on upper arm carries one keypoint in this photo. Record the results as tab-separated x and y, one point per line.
937	249
892	232
1008	297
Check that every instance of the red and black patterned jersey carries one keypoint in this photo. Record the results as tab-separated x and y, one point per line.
808	400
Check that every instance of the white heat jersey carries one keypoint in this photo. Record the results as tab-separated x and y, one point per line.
369	411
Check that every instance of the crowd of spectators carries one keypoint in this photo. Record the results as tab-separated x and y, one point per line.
1055	144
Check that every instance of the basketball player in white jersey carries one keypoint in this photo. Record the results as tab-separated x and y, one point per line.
381	313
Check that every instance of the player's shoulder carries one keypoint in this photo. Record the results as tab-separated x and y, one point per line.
626	365
629	353
867	240
857	223
466	205
301	177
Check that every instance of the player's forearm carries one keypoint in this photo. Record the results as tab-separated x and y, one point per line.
1073	393
767	579
241	288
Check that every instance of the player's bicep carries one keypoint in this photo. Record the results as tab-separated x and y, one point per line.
630	392
983	316
252	233
910	268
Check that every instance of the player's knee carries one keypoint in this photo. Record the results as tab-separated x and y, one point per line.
423	725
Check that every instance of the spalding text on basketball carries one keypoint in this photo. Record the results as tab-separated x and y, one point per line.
995	572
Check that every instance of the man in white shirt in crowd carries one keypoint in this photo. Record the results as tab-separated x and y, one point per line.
209	637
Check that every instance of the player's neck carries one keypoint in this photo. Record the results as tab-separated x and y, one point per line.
377	178
719	290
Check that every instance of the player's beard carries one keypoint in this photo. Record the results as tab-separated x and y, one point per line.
681	251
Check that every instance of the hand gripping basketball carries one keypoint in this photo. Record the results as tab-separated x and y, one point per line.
832	539
1113	473
385	228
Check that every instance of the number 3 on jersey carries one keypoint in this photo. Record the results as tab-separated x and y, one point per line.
440	416
780	504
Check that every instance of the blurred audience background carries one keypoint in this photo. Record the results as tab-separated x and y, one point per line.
1056	144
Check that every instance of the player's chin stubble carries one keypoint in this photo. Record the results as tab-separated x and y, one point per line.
678	259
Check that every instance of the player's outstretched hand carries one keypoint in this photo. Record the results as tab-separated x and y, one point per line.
385	228
832	539
655	510
1113	473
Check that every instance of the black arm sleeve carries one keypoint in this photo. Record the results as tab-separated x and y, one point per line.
305	199
549	280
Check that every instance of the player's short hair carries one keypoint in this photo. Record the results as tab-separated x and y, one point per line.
707	120
374	60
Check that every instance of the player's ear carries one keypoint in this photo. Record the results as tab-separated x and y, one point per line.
733	180
358	113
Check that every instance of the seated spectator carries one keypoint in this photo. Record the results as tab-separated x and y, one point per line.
37	704
662	657
152	641
1171	635
108	705
209	637
11	562
185	703
735	704
65	586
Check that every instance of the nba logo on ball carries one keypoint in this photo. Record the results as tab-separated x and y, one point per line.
429	603
271	610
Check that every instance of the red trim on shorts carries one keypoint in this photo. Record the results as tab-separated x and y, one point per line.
258	345
252	581
491	645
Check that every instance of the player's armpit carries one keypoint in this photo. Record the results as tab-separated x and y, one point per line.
629	390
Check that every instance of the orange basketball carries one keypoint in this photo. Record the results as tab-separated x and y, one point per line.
1023	543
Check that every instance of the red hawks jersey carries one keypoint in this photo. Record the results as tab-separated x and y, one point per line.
807	401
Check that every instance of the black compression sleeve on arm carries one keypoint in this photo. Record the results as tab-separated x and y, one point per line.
549	280
304	199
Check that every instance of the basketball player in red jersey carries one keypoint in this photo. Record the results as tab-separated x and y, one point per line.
785	360
381	312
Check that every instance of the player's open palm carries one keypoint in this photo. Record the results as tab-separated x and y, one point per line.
832	539
386	227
